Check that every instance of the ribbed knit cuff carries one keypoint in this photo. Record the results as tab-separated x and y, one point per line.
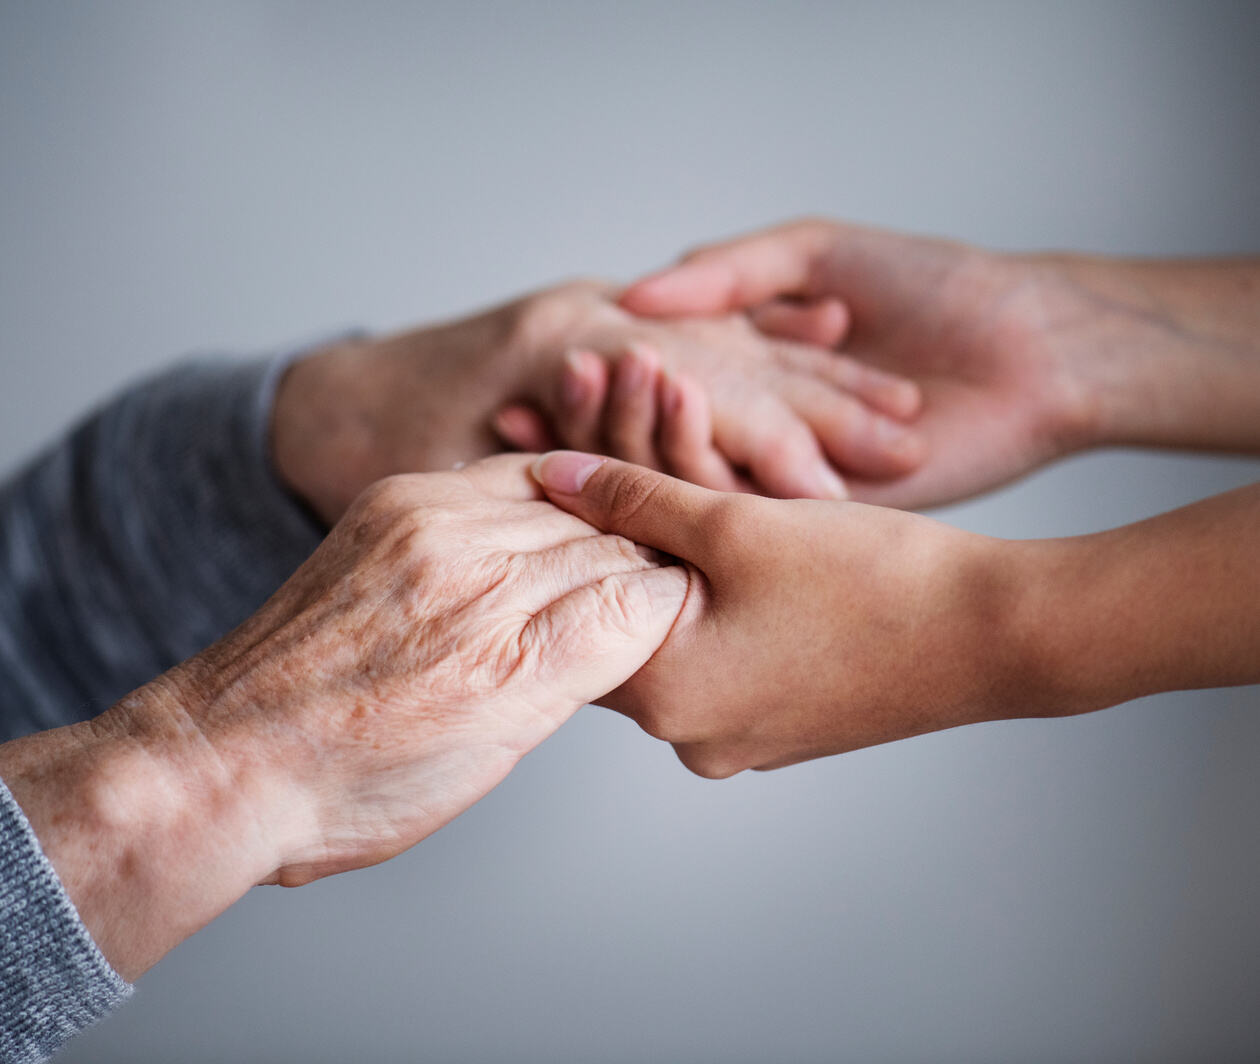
54	982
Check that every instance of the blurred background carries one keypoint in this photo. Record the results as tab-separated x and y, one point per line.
179	177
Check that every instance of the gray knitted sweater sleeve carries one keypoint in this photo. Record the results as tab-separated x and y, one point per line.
151	530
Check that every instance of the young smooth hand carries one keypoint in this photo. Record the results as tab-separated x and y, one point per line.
1021	358
812	628
568	366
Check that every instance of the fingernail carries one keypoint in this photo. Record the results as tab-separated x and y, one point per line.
573	385
565	472
830	483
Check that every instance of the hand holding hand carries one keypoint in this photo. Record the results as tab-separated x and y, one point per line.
540	371
977	331
811	628
447	625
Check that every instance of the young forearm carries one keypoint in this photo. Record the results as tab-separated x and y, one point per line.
1167	353
1166	604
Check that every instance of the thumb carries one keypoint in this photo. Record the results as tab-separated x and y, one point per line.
737	274
641	504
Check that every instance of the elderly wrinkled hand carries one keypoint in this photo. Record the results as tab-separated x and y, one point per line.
448	624
567	365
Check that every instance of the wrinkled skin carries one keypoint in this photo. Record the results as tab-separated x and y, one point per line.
447	625
784	413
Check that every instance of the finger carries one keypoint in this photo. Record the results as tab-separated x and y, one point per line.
598	636
583	391
543	576
780	452
524	428
821	322
685	435
640	504
854	437
630	413
737	274
897	396
502	476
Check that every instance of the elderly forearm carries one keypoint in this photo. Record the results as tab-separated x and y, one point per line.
151	831
1166	604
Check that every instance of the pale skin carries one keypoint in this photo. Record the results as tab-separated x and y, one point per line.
452	622
760	413
816	628
448	624
1021	359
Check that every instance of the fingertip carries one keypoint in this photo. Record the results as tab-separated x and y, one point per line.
905	448
522	427
833	321
829	483
648	295
635	369
583	379
890	393
693	288
906	397
565	472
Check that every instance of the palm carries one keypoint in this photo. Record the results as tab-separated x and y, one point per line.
965	326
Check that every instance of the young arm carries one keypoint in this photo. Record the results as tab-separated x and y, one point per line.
816	628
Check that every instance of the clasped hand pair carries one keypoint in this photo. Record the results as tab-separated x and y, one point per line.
453	620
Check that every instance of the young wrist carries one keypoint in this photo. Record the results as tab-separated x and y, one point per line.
1163	354
1081	625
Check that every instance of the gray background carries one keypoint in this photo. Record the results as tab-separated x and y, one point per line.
235	176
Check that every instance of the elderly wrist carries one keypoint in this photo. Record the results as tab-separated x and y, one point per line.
324	426
145	823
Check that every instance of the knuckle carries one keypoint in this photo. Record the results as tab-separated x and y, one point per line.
544	319
727	521
379	510
630	493
621	605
